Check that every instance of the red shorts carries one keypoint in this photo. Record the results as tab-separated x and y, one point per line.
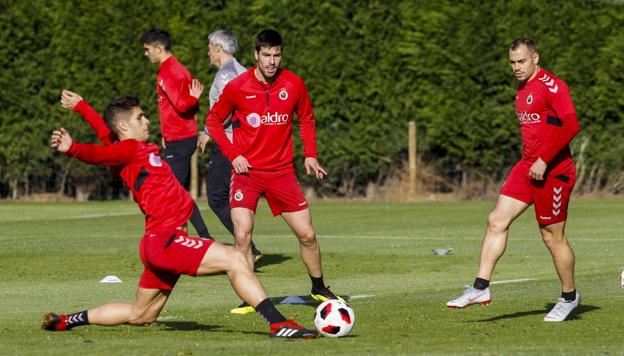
550	196
167	254
281	190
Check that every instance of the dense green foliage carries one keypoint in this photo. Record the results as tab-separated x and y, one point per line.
53	256
371	67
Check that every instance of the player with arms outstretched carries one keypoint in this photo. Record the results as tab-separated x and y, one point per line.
166	250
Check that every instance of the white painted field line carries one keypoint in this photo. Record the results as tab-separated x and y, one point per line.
519	280
420	238
361	296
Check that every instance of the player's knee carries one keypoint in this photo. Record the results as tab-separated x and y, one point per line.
142	318
496	222
237	260
554	240
307	237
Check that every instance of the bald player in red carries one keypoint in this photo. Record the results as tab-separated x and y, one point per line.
544	177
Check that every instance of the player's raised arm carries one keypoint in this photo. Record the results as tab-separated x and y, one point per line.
75	102
183	96
110	156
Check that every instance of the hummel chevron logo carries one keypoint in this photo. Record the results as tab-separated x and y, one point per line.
186	242
554	90
75	318
557	200
549	82
286	332
545	77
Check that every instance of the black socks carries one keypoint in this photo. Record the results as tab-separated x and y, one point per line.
77	319
317	283
568	296
268	311
481	283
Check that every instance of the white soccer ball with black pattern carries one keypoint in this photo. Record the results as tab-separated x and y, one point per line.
334	318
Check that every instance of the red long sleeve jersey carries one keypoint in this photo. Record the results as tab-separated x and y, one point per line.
176	106
547	119
161	198
262	120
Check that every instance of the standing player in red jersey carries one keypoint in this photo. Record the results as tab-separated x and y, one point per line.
177	105
262	102
544	176
166	251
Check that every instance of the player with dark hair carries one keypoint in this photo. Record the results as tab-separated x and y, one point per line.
544	177
166	250
178	102
262	102
222	45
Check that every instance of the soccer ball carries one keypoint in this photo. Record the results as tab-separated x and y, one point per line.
334	318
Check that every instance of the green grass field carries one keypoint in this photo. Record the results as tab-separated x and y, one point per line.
52	257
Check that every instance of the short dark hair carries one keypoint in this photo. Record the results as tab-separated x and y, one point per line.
118	107
157	35
268	38
523	41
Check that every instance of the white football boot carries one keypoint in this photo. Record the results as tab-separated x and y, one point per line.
562	309
471	296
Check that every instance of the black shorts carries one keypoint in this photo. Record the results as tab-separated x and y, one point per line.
178	155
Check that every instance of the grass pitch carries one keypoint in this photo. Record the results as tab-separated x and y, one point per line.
52	257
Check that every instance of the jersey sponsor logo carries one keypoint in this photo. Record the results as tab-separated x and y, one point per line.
283	94
528	118
238	196
274	119
254	120
550	83
155	160
529	99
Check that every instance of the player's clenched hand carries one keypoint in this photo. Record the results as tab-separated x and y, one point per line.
311	164
60	140
69	99
203	140
538	169
240	165
196	88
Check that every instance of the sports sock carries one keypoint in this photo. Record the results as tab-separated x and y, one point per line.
267	310
481	283
317	283
77	319
568	296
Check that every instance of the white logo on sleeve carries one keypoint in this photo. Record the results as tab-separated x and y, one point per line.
154	160
550	83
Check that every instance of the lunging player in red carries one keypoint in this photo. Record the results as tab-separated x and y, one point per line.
544	177
262	102
166	250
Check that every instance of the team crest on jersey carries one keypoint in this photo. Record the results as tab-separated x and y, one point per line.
253	119
154	160
529	99
238	196
283	94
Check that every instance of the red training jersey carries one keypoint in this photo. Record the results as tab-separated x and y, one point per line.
176	106
262	120
547	119
161	198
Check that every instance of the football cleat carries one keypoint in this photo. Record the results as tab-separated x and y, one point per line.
256	255
325	294
471	296
291	330
54	322
243	309
562	309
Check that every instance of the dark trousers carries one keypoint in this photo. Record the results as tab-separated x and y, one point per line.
178	155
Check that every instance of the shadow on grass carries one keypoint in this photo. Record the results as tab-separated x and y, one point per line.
574	316
186	326
273	259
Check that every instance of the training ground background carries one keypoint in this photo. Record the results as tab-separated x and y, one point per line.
53	255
